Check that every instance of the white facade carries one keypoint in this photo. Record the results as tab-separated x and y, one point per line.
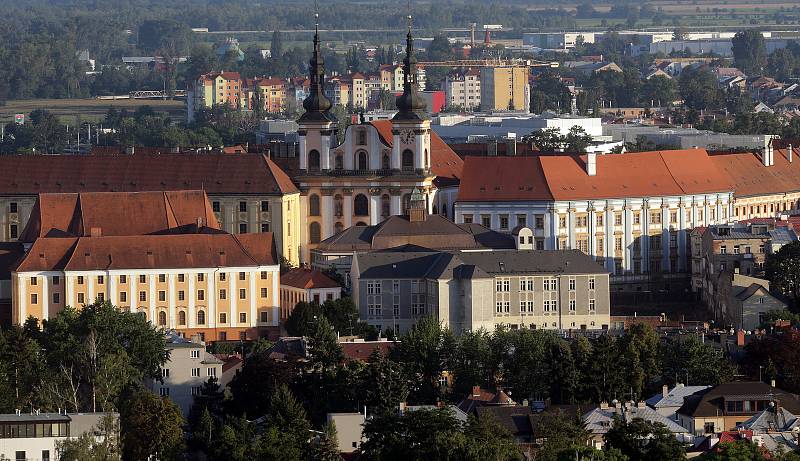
463	90
189	367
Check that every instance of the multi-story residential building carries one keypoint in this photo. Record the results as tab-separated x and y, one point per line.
35	436
632	213
412	231
302	284
372	173
599	420
398	77
742	302
463	89
160	254
728	405
188	367
735	248
359	94
271	94
339	91
218	88
469	290
505	88
248	193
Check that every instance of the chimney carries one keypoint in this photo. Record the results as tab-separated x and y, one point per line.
96	232
604	405
767	156
591	164
740	338
789	153
664	391
772	383
199	222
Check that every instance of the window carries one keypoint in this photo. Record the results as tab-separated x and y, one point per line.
315	232
45	455
264	206
13	231
201	317
600	246
637	218
195	353
12	207
386	206
123	297
360	205
592	305
56	298
503	221
617	219
80	280
181	318
373	288
407	160
562	221
162	318
181	278
581	221
522	220
162	295
723	250
34	298
736	249
81	298
591	283
101	297
243	228
708	428
100	279
165	372
201	277
215	206
56	280
362	160
211	371
313	205
655	217
201	295
181	295
223	317
242	207
571	284
550	284
539	221
242	317
673	217
222	276
338	162
263	292
242	293
34	281
264	317
572	305
162	278
142	279
617	243
223	294
599	220
486	220
503	285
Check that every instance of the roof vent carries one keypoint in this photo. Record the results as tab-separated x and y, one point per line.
502	266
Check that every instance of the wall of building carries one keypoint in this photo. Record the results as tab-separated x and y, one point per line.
188	368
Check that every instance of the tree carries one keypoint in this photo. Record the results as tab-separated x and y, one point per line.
486	439
740	450
577	140
783	271
419	434
640	440
691	359
425	349
99	444
302	320
383	385
698	87
547	140
151	427
288	415
276	46
471	362
156	34
749	51
660	90
326	446
323	346
253	387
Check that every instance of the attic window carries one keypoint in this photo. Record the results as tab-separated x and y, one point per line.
188	252
483	188
41	255
496	187
149	253
86	254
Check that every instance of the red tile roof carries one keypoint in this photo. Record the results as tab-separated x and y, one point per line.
751	177
117	213
362	351
149	252
214	173
301	277
445	163
563	177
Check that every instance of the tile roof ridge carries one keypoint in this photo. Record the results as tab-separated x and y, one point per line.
169	211
244	250
669	171
71	252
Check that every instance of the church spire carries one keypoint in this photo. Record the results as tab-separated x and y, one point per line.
316	104
410	104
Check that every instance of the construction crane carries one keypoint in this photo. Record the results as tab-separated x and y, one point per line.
489	63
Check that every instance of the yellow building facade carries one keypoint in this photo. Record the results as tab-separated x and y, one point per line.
505	88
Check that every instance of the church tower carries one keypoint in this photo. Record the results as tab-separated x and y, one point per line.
317	126
411	126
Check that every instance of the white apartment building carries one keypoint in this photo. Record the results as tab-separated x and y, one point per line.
189	367
463	89
633	212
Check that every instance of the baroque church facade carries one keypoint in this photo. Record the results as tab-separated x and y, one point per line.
373	172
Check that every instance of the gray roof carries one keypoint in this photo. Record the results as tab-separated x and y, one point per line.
771	420
674	397
745	293
34	418
600	420
736	232
473	264
782	235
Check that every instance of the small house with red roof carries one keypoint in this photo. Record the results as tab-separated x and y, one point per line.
303	284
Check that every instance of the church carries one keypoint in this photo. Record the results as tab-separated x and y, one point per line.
369	176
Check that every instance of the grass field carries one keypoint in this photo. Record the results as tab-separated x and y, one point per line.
88	109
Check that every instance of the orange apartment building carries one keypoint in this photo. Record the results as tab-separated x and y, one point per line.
159	254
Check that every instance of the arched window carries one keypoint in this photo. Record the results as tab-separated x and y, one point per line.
313	205
338	162
361	223
363	163
181	318
314	232
360	205
386	205
408	160
201	317
386	163
162	319
338	227
313	160
338	205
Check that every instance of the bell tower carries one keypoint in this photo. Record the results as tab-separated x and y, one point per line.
411	126
317	126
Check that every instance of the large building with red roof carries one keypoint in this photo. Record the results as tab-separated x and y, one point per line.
632	212
158	254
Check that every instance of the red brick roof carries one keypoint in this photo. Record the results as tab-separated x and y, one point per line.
301	277
361	351
214	173
445	163
563	177
149	252
117	213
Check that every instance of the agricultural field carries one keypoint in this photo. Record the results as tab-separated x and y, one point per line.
88	109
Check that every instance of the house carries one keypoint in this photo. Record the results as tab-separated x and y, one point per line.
469	290
669	401
587	68
599	420
349	430
481	397
302	284
361	350
518	420
728	405
186	370
744	301
36	435
775	428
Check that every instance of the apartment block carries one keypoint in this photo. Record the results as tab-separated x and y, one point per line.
463	89
505	88
558	290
